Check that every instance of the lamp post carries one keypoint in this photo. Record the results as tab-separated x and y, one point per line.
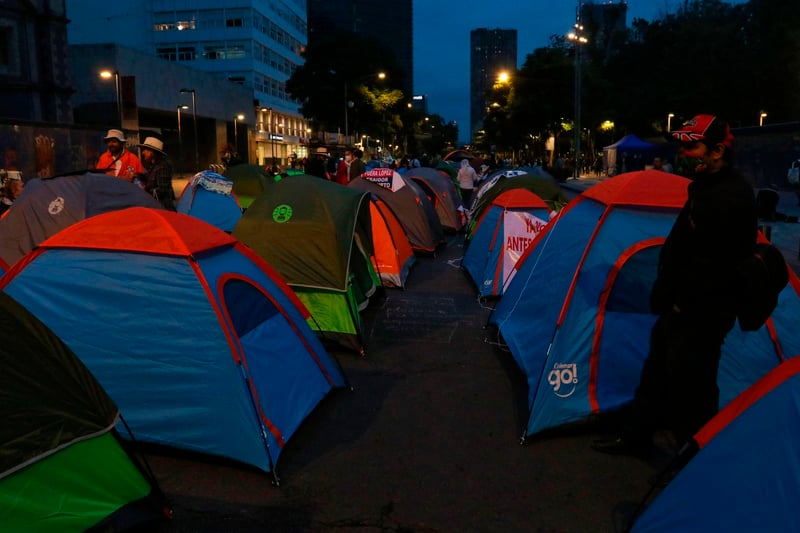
194	123
271	137
761	119
180	133
579	39
669	121
236	120
106	75
348	104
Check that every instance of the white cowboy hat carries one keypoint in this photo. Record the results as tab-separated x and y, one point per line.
151	143
115	134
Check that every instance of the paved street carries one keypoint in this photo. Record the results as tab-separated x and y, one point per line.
428	437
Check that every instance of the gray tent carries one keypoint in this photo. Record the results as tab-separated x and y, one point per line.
48	205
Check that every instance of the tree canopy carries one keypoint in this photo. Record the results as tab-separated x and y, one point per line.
735	61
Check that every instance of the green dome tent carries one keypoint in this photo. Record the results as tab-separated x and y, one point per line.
249	181
62	466
318	236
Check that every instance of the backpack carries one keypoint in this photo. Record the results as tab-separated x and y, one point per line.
762	277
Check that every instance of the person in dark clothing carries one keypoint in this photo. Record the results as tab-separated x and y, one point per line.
158	172
693	295
317	164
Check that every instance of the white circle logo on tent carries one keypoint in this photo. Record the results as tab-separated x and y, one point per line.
56	206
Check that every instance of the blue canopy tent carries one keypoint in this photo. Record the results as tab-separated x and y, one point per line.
630	153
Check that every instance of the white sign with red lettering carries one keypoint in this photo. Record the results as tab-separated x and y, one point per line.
520	229
385	177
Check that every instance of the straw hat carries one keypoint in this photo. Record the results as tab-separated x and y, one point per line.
151	143
322	151
115	134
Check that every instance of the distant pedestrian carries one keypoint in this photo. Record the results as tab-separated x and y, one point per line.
467	179
318	162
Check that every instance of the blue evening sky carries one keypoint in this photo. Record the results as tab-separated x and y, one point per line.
441	40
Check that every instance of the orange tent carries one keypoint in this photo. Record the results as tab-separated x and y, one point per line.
393	253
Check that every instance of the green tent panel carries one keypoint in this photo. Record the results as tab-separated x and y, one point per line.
62	465
318	236
80	487
249	182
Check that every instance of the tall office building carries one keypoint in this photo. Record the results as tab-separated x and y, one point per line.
253	43
391	24
491	52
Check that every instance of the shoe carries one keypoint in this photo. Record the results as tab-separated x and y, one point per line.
620	446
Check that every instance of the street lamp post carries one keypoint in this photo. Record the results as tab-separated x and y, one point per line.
106	75
180	133
236	120
271	136
194	123
669	121
579	39
761	118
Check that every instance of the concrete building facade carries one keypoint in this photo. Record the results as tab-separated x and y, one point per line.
254	44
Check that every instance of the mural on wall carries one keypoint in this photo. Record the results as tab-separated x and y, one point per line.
40	152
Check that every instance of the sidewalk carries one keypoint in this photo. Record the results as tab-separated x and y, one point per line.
784	235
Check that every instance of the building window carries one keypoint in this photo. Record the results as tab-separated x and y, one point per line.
186	53
167	53
9	54
234	23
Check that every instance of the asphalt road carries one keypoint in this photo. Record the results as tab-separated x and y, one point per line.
426	440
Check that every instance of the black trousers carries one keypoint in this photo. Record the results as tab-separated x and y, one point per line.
678	384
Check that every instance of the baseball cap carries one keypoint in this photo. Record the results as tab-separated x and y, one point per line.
706	128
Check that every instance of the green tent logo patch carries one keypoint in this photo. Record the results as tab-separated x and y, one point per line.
282	213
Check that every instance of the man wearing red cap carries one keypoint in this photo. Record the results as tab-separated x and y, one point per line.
693	295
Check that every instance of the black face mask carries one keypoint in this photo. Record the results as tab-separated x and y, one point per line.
687	166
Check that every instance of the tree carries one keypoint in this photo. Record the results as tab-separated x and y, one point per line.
346	64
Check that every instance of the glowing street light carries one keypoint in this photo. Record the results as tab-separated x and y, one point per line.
236	120
579	39
761	118
107	75
180	132
194	121
669	121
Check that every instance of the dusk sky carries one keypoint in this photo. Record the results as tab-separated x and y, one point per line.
441	40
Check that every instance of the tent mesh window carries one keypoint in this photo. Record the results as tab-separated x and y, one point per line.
631	290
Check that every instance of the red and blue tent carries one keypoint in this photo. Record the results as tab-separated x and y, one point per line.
576	316
198	340
745	475
500	237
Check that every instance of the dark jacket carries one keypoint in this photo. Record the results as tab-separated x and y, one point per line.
158	182
715	231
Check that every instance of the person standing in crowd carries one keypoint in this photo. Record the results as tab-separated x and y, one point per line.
467	179
357	166
158	172
693	295
317	163
12	188
117	160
